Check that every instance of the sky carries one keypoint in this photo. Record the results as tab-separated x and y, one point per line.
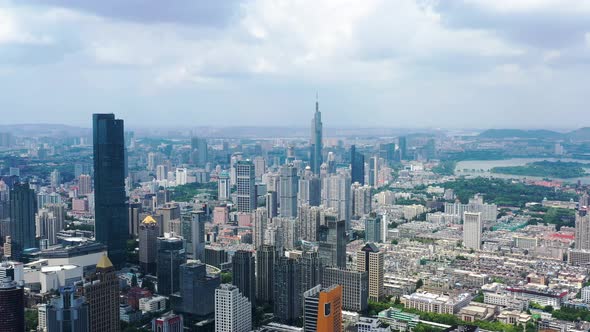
373	63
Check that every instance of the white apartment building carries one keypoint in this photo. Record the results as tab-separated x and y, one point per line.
233	311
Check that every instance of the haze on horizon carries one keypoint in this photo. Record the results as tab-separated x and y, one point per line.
375	63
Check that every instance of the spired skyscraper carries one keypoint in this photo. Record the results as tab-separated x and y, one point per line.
110	201
315	155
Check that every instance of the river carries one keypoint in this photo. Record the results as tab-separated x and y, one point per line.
482	168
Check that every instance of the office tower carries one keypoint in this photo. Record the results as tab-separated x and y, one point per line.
387	151
12	306
168	323
373	228
246	189
161	172
47	226
288	191
332	245
322	309
55	178
197	290
402	148
361	200
582	231
101	290
149	230
309	222
135	209
357	166
199	151
193	233
336	194
331	163
315	155
233	310
153	159
171	255
272	204
309	189
170	213
215	257
370	259
110	202
224	187
310	269
243	274
84	184
472	230
259	167
68	312
374	171
265	263
355	287
287	293
22	219
260	221
181	176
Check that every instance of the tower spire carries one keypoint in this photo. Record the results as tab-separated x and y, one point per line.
317	103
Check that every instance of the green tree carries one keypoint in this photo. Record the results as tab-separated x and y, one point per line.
149	285
226	277
419	283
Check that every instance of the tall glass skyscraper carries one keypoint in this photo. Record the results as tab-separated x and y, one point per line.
110	201
357	166
22	219
316	146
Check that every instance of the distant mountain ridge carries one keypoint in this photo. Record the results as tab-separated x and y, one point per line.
578	134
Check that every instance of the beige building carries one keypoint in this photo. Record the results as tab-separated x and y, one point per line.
370	259
472	230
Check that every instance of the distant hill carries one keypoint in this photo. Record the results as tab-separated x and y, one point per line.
519	133
582	134
45	130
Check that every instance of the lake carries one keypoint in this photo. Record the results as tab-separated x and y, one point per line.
482	168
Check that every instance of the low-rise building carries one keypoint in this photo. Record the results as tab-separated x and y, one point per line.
152	304
442	304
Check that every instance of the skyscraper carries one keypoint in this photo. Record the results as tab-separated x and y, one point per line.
243	274
224	187
472	230
370	259
101	290
355	286
171	255
288	186
265	263
287	299
199	151
309	189
357	166
84	184
361	199
402	148
310	269
246	189
12	306
110	202
193	233
66	313
316	145
582	240
332	245
149	230
374	171
260	220
309	222
272	204
22	219
336	194
373	228
197	290
233	310
322	309
47	226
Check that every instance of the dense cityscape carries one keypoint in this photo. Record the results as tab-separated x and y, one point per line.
112	230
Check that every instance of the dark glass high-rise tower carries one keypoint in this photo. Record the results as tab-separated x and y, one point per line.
22	219
243	270
110	201
315	155
265	264
357	166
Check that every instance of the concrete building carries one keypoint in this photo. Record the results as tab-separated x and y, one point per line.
149	230
65	313
168	323
233	311
582	241
288	188
224	187
322	309
243	274
196	296
472	228
101	291
152	304
265	264
170	255
370	259
355	287
287	299
361	200
246	188
441	304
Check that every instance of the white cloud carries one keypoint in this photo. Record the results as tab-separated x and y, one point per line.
12	32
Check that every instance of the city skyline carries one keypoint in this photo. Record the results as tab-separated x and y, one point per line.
256	63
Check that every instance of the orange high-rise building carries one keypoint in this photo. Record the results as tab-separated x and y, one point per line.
323	309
